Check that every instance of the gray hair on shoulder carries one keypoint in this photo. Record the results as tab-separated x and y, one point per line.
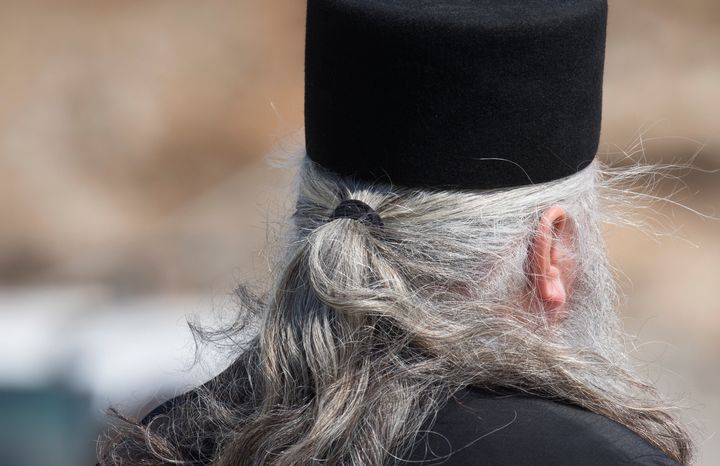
367	329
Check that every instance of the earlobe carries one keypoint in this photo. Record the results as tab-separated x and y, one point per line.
549	262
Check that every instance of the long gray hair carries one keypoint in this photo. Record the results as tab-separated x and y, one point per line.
366	330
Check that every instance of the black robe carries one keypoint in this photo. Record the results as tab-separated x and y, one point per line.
477	427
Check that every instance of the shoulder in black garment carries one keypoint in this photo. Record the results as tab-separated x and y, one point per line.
477	427
481	428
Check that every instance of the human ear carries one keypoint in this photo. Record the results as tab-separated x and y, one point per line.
550	265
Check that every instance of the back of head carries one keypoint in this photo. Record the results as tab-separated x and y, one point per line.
368	328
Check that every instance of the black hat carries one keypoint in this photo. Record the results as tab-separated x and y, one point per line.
470	94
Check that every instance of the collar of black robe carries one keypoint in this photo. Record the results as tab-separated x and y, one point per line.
468	94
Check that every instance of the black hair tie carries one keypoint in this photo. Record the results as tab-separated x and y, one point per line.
357	210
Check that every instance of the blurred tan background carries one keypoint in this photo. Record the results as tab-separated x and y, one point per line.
134	188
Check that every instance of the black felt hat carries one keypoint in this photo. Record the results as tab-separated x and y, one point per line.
469	94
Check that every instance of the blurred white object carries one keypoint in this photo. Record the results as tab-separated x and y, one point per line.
127	352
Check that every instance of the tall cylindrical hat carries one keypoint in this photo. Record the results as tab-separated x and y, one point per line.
467	94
